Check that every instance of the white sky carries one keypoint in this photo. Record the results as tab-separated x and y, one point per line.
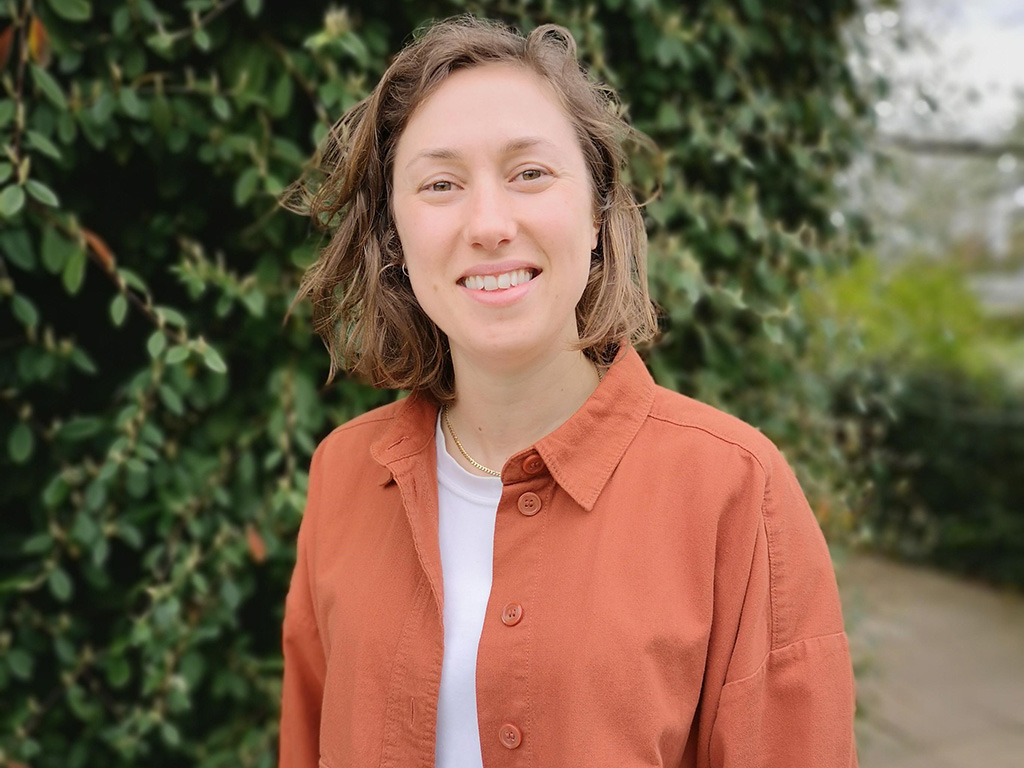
973	43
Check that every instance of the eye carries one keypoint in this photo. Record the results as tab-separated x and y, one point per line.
440	186
531	174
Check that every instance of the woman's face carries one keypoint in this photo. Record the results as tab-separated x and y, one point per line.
493	205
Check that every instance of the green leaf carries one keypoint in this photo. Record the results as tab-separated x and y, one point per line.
281	95
255	301
65	650
20	663
170	398
273	185
246	185
130	535
170	734
6	169
60	584
6	111
178	354
132	105
24	310
253	7
16	246
230	595
37	545
160	113
121	21
118	671
81	428
774	332
118	309
133	280
214	361
20	443
170	316
42	193
103	107
50	88
74	272
72	10
56	250
156	344
83	362
12	200
95	495
221	108
43	144
202	39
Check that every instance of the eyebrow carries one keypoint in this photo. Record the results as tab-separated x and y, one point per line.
510	147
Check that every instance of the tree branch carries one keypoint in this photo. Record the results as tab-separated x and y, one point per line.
954	147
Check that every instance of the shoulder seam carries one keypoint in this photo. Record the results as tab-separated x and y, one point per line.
713	433
358	421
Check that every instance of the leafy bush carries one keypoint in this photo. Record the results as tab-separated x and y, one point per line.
931	420
158	418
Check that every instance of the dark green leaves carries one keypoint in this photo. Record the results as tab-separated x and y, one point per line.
72	10
12	200
20	443
49	87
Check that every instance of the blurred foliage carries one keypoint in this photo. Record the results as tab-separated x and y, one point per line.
157	418
920	313
929	416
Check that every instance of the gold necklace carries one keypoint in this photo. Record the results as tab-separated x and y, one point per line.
462	450
470	459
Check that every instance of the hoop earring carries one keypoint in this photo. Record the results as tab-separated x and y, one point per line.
405	269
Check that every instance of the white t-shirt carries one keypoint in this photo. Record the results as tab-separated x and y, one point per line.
467	507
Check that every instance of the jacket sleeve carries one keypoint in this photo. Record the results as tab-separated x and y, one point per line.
788	696
304	660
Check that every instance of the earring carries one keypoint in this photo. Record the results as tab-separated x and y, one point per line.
405	269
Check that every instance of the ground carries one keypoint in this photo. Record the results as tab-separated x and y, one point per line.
939	663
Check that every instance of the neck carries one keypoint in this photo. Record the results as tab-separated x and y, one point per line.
498	413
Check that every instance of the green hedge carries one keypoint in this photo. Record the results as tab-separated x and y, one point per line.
932	417
157	416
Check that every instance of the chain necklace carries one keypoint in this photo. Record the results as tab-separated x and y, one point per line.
470	459
462	450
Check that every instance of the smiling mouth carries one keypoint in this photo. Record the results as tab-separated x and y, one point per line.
498	282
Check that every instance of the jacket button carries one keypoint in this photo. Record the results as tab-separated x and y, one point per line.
529	503
512	614
533	464
510	736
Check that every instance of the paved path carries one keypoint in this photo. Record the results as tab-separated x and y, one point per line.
940	667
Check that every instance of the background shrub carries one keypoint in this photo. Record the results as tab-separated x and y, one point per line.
157	416
930	416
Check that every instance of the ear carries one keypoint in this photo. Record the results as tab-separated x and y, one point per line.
597	234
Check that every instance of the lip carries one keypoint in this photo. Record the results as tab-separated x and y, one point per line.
497	268
502	297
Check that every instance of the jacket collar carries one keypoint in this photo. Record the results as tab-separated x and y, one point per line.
581	454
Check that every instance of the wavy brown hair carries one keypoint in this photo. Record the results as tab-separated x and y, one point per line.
363	305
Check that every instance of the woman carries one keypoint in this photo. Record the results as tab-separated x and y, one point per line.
539	557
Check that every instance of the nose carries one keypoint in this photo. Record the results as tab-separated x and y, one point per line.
490	222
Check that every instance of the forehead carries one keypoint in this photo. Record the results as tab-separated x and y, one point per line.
491	104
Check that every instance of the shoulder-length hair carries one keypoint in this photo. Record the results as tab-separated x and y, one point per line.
363	304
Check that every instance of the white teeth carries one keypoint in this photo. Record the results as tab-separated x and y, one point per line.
498	282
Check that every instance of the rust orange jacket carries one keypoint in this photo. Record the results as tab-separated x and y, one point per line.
673	601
